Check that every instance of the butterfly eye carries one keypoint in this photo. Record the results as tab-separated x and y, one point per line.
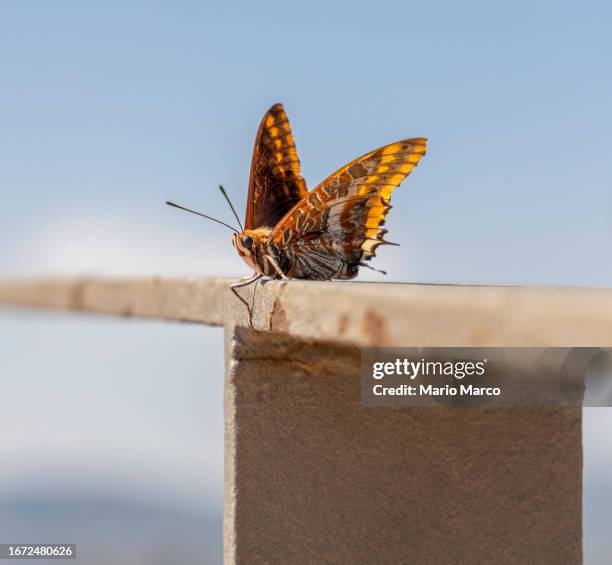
247	242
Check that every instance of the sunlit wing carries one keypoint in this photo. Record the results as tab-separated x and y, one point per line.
276	183
339	224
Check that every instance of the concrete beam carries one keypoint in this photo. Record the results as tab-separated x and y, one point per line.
186	300
360	314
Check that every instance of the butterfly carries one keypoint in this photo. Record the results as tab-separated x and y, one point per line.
323	234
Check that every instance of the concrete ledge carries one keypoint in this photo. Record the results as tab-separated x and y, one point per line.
193	300
360	314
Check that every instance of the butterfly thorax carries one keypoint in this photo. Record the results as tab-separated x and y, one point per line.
252	246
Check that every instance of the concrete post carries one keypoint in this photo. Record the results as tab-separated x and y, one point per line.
312	477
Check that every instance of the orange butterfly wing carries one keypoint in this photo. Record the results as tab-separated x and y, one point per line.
339	224
276	183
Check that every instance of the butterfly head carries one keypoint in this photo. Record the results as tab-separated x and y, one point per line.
251	246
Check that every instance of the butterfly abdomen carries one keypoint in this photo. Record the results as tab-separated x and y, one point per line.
314	259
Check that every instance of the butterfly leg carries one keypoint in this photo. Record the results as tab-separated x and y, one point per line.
372	268
274	264
245	282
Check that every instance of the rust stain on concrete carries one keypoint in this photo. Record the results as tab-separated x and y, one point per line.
278	317
374	327
343	321
481	335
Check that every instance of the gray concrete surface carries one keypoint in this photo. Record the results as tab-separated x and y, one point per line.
313	477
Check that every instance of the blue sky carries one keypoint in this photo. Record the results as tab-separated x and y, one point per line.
107	109
111	108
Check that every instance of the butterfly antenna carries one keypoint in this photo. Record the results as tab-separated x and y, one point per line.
203	215
231	206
